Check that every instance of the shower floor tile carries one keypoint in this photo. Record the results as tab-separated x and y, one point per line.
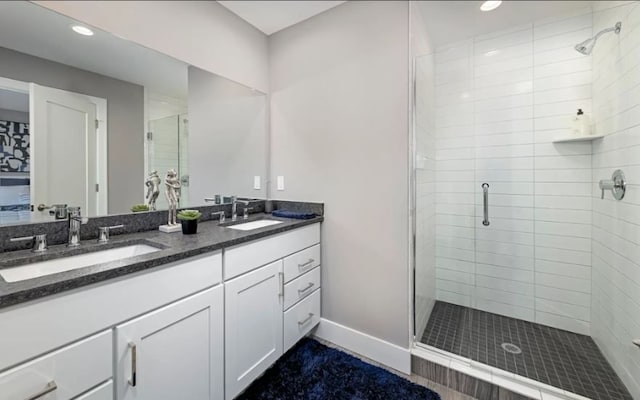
559	358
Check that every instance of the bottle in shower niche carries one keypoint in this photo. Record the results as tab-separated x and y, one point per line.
581	124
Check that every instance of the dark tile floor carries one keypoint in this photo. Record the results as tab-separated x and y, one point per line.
559	358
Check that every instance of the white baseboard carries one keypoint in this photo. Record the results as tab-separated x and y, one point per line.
383	352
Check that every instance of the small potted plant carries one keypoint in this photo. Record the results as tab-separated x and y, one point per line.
140	208
189	220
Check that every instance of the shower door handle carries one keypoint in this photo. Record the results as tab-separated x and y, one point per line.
485	197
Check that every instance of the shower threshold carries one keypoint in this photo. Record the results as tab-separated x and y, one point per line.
562	359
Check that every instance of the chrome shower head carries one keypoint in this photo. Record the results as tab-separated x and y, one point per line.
587	46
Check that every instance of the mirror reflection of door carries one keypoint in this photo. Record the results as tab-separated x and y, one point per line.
64	151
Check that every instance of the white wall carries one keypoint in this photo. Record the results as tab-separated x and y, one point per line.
616	224
501	100
201	33
228	139
339	126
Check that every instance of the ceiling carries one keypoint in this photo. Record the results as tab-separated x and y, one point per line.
273	16
32	29
451	21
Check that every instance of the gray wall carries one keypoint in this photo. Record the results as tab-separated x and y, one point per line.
339	131
125	105
227	137
15	116
200	33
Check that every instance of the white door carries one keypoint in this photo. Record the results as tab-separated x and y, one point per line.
63	150
253	326
175	352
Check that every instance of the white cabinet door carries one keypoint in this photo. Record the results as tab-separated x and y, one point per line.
175	352
253	326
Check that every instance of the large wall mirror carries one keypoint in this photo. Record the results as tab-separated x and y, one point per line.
92	120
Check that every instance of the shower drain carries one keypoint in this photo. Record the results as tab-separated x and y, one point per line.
511	348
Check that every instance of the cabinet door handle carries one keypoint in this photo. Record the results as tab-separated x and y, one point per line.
134	364
302	291
51	386
304	265
280	284
304	321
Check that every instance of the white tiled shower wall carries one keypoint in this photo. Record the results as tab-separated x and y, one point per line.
616	224
501	99
425	191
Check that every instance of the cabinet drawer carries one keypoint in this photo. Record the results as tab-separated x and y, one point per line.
65	373
301	262
102	392
246	257
301	287
301	318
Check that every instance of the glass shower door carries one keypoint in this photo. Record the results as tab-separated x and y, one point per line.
424	193
168	150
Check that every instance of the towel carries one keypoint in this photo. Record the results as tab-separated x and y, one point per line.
293	214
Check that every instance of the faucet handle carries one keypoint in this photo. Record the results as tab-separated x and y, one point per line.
617	184
217	199
75	213
59	211
221	214
38	242
104	232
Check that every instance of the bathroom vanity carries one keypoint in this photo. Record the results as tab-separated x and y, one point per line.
215	309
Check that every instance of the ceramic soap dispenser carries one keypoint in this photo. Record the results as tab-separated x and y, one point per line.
581	124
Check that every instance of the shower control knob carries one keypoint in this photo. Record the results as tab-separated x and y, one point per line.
617	184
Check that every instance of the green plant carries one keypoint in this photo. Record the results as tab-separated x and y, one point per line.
140	207
189	215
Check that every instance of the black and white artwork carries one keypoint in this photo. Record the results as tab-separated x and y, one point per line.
14	146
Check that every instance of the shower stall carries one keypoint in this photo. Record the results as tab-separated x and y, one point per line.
527	234
167	146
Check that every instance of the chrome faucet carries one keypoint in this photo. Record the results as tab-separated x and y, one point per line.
234	207
75	221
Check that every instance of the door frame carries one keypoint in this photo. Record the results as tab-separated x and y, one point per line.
102	153
13	85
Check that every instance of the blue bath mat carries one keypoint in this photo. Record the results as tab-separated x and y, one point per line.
312	371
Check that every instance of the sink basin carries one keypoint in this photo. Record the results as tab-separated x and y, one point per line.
248	226
43	268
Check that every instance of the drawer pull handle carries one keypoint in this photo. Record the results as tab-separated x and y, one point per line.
304	321
51	386
304	265
134	364
280	284
303	291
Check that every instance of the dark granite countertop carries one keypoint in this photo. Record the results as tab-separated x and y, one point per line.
211	236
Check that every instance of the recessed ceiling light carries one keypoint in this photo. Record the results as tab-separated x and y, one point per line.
82	30
491	53
490	5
